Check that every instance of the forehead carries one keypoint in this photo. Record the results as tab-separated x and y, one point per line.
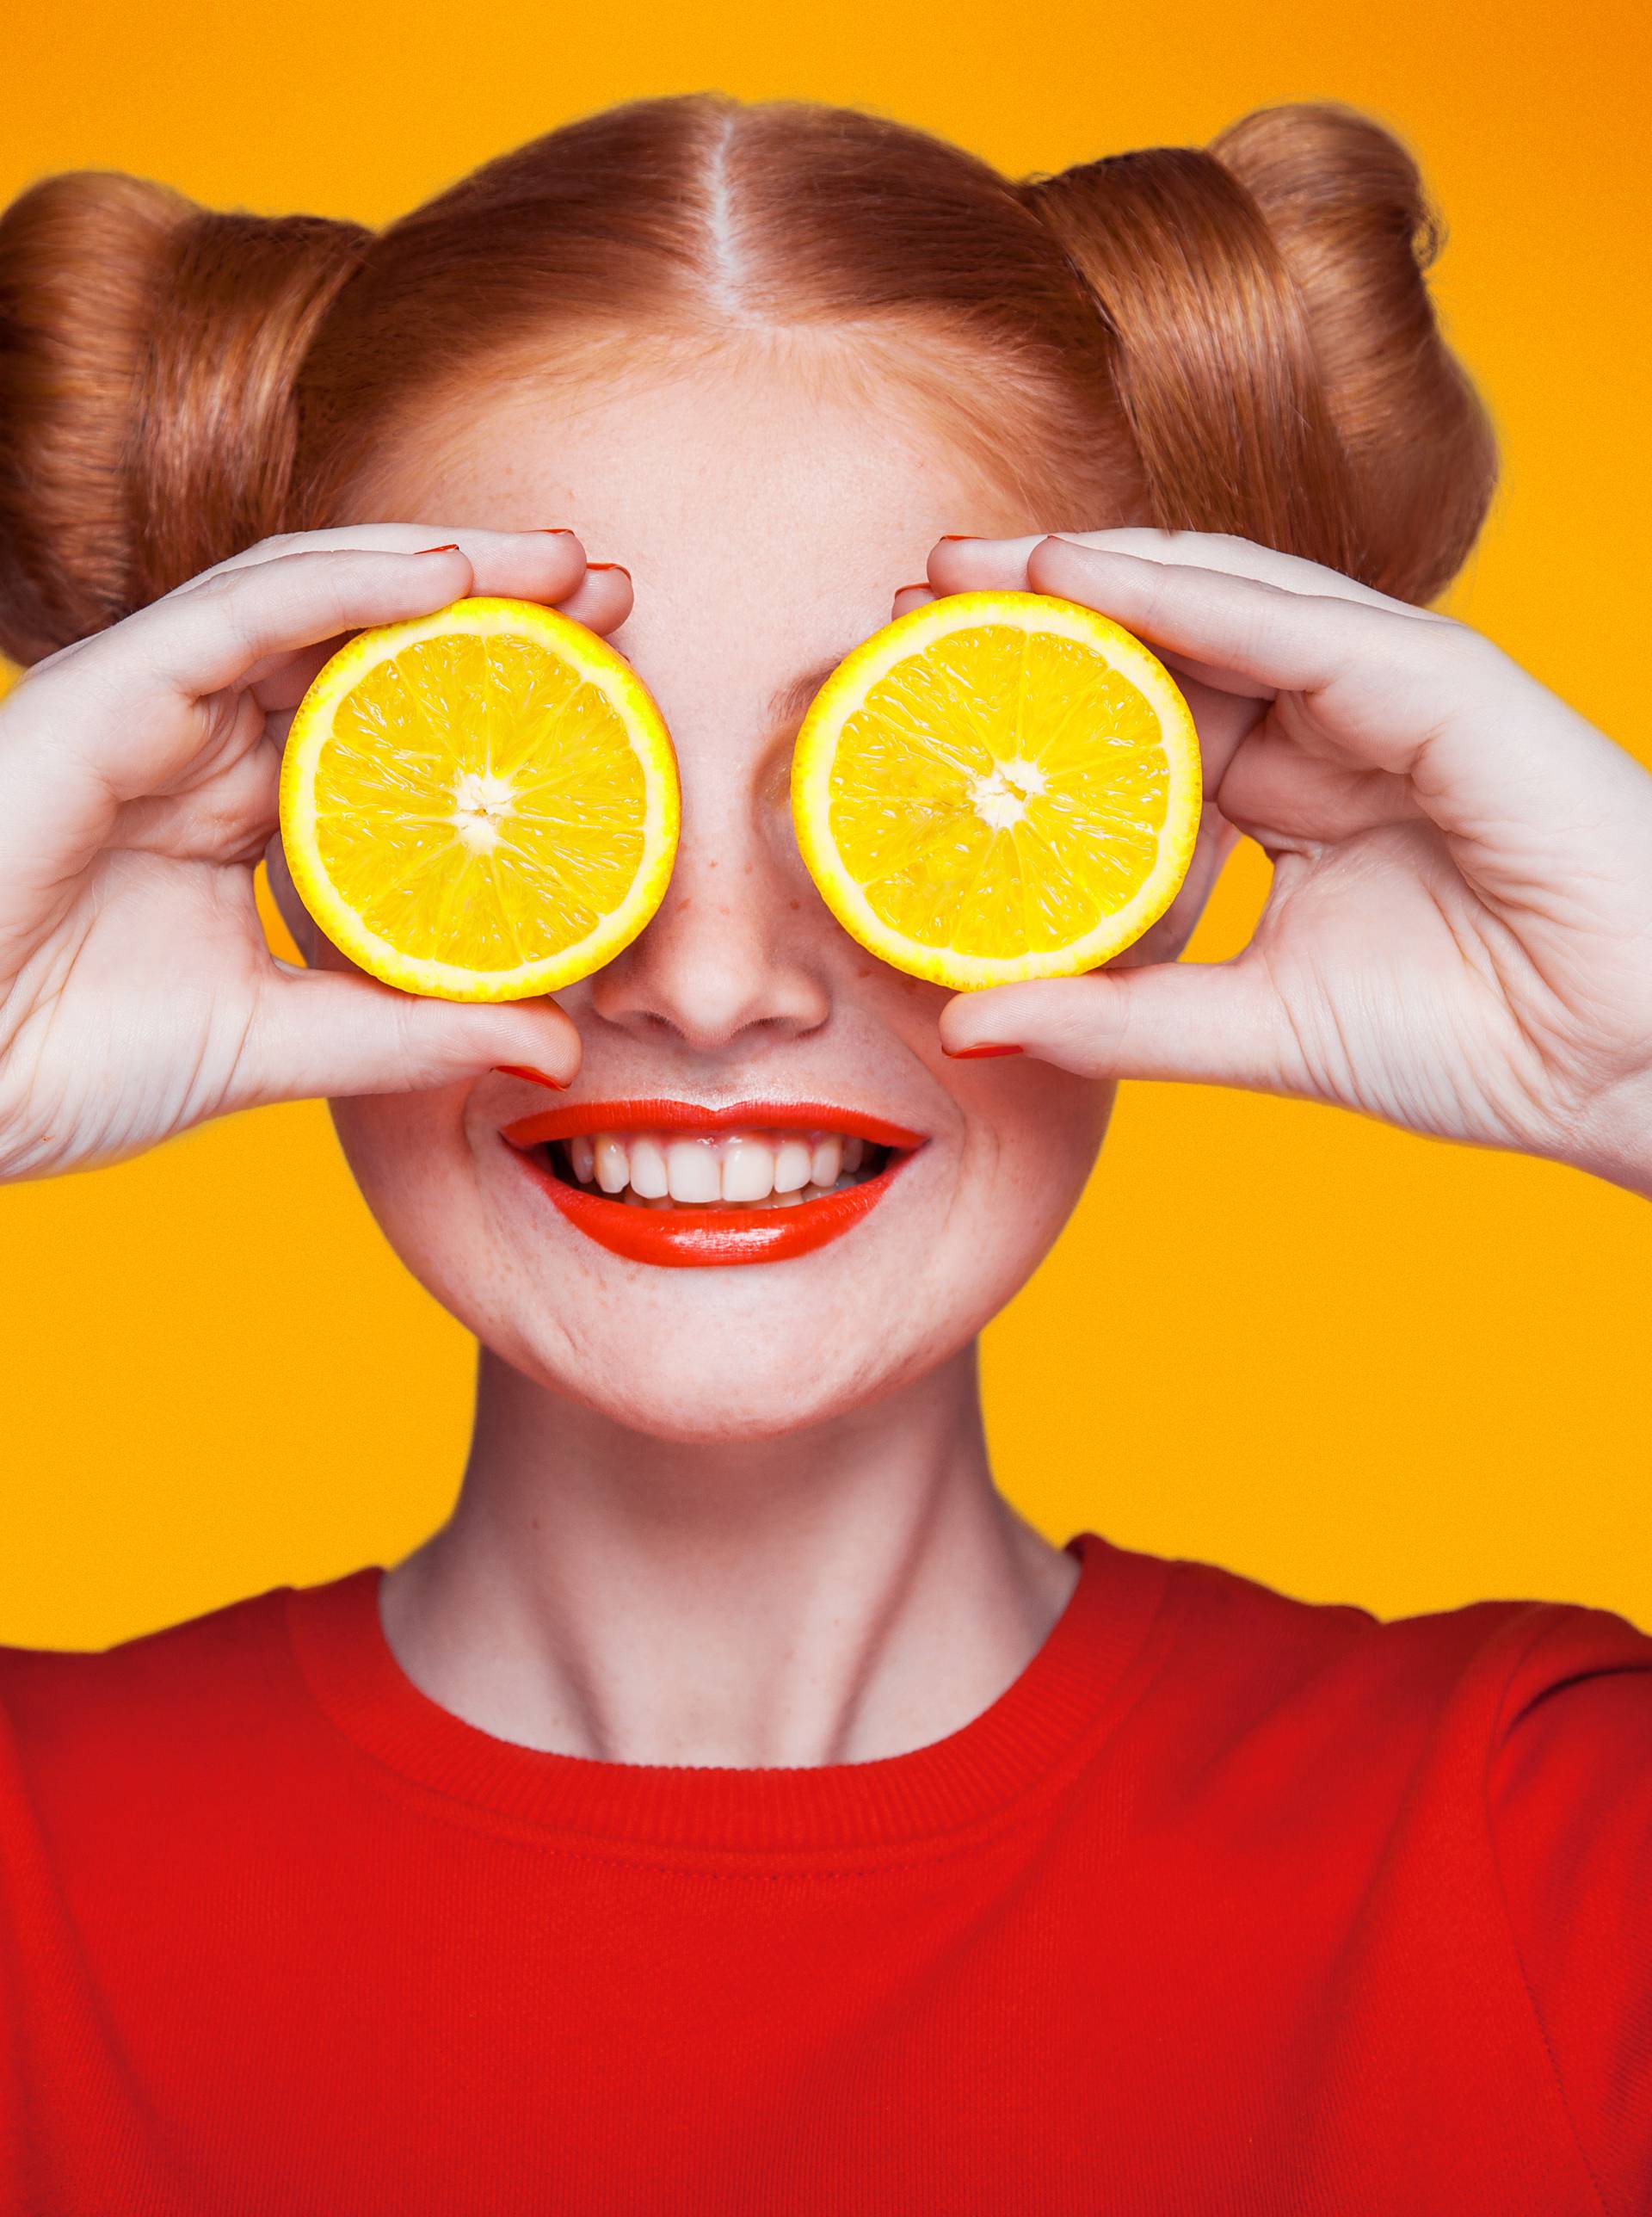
768	503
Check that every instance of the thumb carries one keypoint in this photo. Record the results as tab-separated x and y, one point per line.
316	1034
1212	1023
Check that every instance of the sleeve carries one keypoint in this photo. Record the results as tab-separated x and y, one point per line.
1570	1810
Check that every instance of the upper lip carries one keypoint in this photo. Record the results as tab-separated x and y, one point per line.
577	1117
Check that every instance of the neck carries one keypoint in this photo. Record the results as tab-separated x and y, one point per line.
834	1595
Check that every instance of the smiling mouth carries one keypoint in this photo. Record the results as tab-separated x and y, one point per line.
678	1185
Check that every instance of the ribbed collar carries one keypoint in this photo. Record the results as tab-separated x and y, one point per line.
1050	1718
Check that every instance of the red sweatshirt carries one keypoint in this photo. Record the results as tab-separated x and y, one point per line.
1230	1903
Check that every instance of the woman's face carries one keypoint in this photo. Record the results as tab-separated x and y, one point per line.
765	524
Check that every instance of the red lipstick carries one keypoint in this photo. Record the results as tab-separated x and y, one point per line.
697	1238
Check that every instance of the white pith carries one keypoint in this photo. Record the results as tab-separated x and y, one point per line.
1000	799
481	798
731	1170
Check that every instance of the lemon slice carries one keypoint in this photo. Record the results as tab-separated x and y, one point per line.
480	804
998	786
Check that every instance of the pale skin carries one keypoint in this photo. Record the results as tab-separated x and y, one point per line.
746	1515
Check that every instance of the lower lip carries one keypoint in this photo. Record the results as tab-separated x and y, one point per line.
685	1239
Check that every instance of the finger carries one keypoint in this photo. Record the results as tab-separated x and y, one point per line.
124	718
908	597
1225	706
962	564
1283	793
230	818
214	632
958	564
548	567
603	599
534	564
1266	784
1393	689
1383	681
1243	558
1213	1023
318	1034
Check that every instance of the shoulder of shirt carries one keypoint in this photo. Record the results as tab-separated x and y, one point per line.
190	1682
1489	1663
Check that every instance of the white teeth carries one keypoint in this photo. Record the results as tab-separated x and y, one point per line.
792	1161
747	1169
648	1170
694	1171
775	1169
613	1164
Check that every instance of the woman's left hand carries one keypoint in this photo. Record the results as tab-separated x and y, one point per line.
1459	934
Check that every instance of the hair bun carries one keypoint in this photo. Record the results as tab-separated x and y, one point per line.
1275	350
148	354
1346	205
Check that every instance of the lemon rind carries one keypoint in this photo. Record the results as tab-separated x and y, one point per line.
816	748
485	615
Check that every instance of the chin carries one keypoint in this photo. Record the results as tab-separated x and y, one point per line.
707	1390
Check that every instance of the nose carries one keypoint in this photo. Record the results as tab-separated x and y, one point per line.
739	952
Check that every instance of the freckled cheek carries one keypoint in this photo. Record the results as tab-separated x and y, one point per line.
1037	1146
415	1162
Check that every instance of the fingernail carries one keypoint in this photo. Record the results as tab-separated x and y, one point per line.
533	1077
452	547
556	530
922	586
620	566
955	538
976	1053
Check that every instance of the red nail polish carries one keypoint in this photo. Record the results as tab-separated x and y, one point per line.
922	586
555	530
620	566
452	547
955	538
978	1053
533	1077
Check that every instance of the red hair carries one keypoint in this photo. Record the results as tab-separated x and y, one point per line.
1237	339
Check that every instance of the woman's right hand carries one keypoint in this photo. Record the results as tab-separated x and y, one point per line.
138	774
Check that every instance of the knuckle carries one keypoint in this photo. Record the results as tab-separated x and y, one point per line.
244	557
1158	591
415	1043
215	590
247	558
1465	656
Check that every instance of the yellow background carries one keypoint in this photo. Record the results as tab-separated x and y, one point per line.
1356	1365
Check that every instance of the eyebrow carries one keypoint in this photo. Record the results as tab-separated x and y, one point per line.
789	701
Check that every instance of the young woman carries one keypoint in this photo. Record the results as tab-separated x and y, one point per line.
737	1807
